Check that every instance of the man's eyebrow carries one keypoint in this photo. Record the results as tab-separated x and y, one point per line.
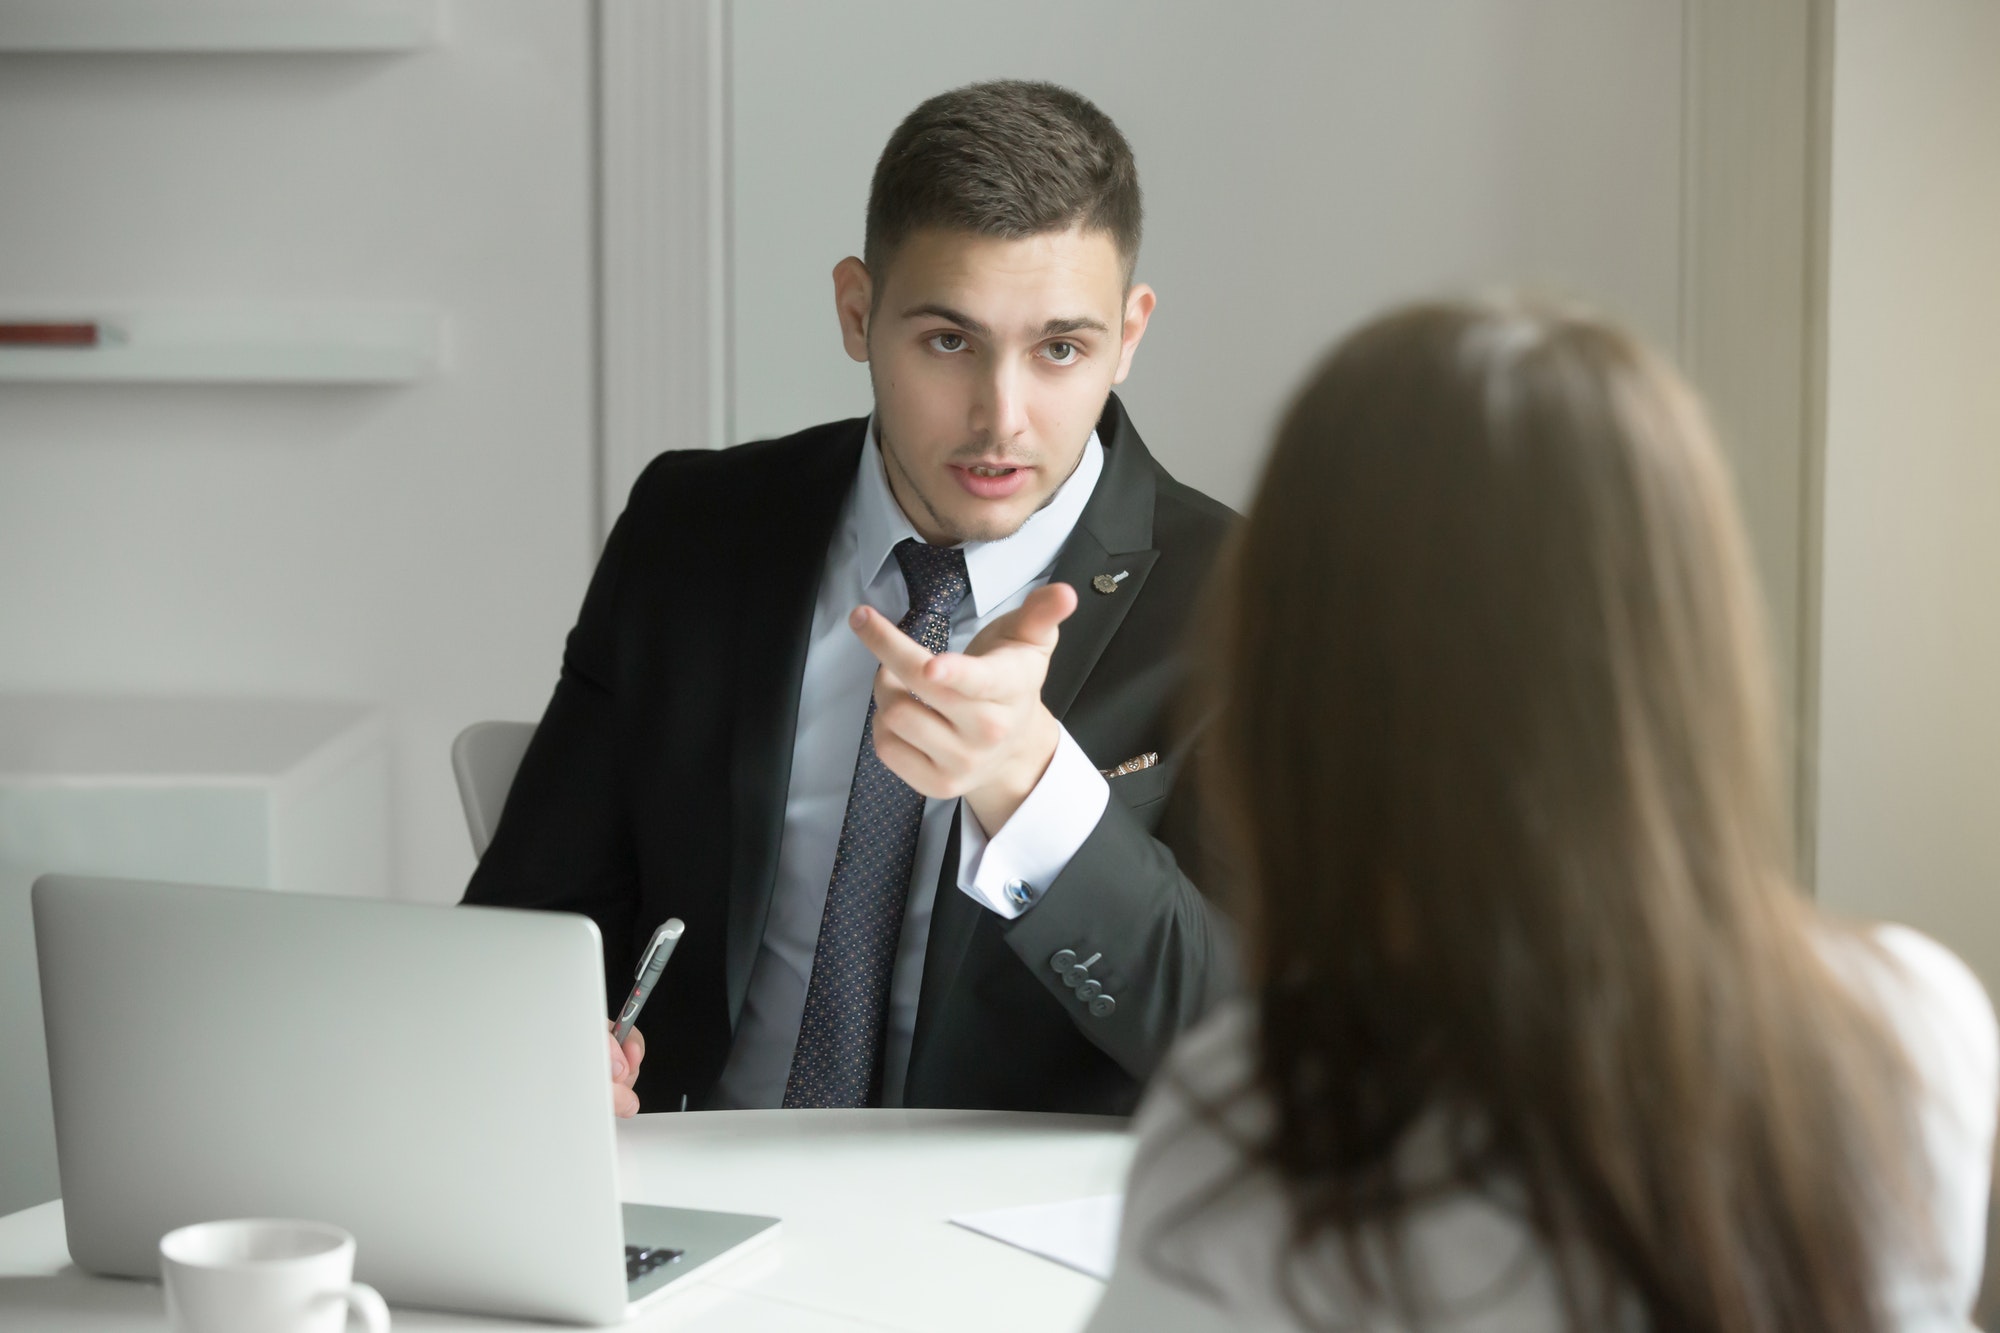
1074	324
950	316
1053	328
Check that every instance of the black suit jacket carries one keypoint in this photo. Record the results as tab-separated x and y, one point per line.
655	785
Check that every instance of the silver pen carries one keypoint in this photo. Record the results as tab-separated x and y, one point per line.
651	964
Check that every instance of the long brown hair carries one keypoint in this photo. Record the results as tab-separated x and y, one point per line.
1495	749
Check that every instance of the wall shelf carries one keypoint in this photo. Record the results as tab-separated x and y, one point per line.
326	26
268	345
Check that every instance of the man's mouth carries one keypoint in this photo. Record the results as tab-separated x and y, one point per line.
991	481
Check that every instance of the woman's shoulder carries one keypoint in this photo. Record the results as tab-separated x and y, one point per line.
1947	984
1202	1125
1202	1217
1221	1049
1208	1085
1917	956
1940	1015
1930	999
1208	1226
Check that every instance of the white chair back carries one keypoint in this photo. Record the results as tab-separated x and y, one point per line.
484	758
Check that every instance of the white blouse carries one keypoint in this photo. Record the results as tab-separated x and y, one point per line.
1479	1263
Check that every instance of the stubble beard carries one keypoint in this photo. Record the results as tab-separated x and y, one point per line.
940	522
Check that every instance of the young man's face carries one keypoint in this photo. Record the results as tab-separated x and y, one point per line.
991	360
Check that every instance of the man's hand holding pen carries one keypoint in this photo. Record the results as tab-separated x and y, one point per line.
625	1069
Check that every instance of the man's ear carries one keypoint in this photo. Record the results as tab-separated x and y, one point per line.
853	299
1139	303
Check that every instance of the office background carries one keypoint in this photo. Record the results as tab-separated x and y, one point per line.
417	552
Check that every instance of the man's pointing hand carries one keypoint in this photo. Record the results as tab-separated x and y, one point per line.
977	727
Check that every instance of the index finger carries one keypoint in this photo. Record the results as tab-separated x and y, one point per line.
903	655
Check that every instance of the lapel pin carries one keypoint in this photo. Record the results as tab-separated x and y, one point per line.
1108	583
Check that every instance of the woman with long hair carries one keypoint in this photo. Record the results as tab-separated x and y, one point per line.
1541	1033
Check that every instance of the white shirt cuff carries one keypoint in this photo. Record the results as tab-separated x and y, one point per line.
1009	872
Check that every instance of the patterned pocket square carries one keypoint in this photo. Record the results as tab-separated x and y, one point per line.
1132	765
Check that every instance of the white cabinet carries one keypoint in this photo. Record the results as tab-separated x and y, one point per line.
282	794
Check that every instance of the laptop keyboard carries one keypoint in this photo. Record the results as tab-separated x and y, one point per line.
641	1260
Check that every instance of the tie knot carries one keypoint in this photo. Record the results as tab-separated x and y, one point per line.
935	575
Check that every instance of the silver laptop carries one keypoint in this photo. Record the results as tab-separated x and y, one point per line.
434	1079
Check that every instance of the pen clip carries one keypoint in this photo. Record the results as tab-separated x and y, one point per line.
661	944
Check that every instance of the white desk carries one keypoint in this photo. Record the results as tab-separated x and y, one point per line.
865	1246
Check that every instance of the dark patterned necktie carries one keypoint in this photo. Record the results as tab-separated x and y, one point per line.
838	1059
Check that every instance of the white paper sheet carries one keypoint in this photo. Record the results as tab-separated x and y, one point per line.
1077	1233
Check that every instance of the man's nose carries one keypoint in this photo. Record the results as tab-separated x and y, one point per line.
1003	405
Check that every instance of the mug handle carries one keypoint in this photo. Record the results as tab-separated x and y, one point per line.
367	1302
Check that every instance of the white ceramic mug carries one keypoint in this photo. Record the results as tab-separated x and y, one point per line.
264	1275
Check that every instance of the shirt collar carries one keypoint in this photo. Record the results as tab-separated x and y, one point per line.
997	570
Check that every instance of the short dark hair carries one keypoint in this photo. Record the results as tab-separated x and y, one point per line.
1009	159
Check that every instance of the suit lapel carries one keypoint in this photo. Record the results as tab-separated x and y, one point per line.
1098	614
1113	535
1113	539
778	569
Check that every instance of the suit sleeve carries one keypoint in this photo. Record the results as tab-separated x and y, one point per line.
1160	952
564	841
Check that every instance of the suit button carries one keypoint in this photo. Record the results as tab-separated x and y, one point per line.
1076	976
1089	990
1063	959
1102	1006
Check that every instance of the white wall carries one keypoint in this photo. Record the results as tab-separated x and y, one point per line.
422	547
1303	163
426	547
1909	823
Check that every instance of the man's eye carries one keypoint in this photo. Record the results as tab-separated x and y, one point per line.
947	342
1062	353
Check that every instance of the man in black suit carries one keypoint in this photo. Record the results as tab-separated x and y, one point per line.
886	710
